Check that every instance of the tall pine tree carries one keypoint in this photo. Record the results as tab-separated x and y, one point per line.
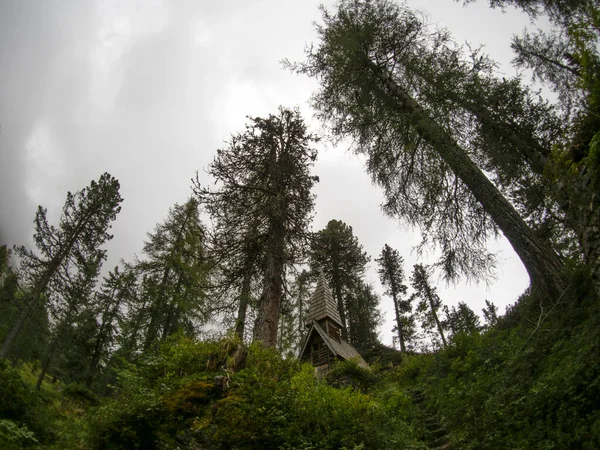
264	181
391	275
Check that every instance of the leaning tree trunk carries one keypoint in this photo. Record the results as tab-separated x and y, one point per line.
431	301
41	286
543	265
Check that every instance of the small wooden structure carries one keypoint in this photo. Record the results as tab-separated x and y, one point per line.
324	342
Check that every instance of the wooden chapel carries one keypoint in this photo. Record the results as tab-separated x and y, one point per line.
324	343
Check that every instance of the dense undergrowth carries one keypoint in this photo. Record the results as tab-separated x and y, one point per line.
531	382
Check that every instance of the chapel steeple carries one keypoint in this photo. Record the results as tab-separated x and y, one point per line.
322	305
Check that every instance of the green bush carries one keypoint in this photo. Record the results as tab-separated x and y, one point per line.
79	393
521	386
350	374
20	404
171	400
13	436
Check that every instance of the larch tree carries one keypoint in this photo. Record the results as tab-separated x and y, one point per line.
381	83
566	59
336	252
76	241
391	275
429	301
173	271
264	178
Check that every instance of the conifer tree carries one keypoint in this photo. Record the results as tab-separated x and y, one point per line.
69	307
335	250
108	310
391	275
427	143
462	319
490	314
67	251
264	180
30	344
364	317
174	272
429	301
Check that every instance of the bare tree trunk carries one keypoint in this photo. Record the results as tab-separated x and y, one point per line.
543	265
399	324
267	320
240	323
341	309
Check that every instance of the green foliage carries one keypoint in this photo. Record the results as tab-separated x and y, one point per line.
13	436
364	316
349	373
429	304
22	405
81	394
527	385
264	174
336	252
391	275
171	399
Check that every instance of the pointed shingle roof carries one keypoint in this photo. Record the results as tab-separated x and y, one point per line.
322	304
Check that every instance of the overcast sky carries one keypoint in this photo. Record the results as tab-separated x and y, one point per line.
148	90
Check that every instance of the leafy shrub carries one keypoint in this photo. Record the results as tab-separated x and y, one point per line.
13	436
350	374
520	385
21	404
270	403
80	394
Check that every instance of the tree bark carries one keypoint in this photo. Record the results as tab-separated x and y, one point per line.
399	322
240	323
267	320
543	265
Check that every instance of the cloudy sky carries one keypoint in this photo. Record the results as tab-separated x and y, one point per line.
147	90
